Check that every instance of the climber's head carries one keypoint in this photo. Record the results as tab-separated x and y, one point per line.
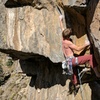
66	33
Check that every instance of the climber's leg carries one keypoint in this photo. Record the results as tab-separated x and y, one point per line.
84	59
74	78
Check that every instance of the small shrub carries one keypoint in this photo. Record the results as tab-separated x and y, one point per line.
9	62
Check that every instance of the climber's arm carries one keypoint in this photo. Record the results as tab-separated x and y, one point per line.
61	22
77	48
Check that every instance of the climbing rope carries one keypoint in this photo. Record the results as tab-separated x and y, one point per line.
80	75
81	88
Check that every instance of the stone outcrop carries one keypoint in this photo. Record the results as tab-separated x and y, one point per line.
30	34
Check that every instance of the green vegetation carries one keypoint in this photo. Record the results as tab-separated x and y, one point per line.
9	62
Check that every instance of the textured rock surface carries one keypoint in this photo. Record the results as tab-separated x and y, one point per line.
30	33
94	27
31	30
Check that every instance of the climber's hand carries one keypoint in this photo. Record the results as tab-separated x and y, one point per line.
87	42
61	17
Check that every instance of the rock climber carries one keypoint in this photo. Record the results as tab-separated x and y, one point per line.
68	50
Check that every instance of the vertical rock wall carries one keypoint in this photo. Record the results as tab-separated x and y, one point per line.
32	35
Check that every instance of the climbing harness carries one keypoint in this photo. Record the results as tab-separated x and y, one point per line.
67	66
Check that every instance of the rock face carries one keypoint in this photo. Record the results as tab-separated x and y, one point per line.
32	30
30	33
